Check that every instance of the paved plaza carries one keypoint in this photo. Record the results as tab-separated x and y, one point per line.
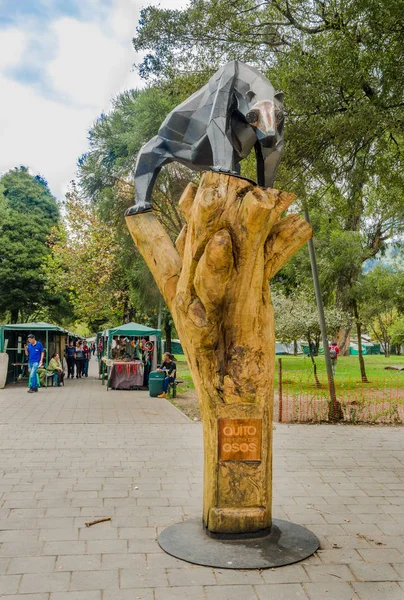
74	454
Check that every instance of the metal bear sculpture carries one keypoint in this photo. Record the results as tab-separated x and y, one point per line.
216	128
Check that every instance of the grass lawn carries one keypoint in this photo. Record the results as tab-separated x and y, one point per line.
380	400
347	367
184	374
299	370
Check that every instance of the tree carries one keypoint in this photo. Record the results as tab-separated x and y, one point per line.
88	264
382	303
84	261
106	170
397	332
296	317
28	211
340	67
106	178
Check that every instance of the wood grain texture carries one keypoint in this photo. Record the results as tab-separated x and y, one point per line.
216	285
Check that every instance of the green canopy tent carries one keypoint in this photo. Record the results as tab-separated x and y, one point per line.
128	330
367	348
14	336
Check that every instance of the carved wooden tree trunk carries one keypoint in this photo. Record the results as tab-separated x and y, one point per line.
215	283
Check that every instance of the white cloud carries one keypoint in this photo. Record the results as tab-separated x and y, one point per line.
89	67
42	134
85	64
13	42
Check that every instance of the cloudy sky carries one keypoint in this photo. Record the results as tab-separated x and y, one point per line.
61	61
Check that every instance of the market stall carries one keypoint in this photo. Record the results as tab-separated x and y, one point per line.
13	338
127	355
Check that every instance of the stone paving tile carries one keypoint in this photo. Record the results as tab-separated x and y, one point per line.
290	574
332	590
88	595
286	591
231	592
62	547
381	555
123	561
9	584
139	578
180	593
133	594
3	565
370	590
374	572
339	556
101	580
164	560
142	546
79	562
44	582
191	575
37	564
20	549
327	572
106	546
26	597
399	567
137	533
56	535
230	577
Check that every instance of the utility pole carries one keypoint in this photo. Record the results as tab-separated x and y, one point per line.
335	412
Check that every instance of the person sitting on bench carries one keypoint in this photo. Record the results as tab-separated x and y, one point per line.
170	368
55	368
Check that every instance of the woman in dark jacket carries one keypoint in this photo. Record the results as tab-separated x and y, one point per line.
79	357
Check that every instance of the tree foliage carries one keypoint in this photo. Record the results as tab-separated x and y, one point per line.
106	179
28	211
296	317
85	262
340	66
381	294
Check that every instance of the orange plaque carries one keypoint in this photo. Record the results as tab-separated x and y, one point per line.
240	439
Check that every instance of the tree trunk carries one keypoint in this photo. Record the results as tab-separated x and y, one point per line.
127	312
344	340
14	315
167	331
359	336
295	347
216	286
316	379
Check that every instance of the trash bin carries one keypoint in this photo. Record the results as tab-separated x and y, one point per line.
156	379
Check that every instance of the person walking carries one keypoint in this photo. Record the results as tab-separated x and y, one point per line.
70	352
79	359
87	356
35	353
334	351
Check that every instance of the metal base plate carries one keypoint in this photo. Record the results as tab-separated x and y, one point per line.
286	543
